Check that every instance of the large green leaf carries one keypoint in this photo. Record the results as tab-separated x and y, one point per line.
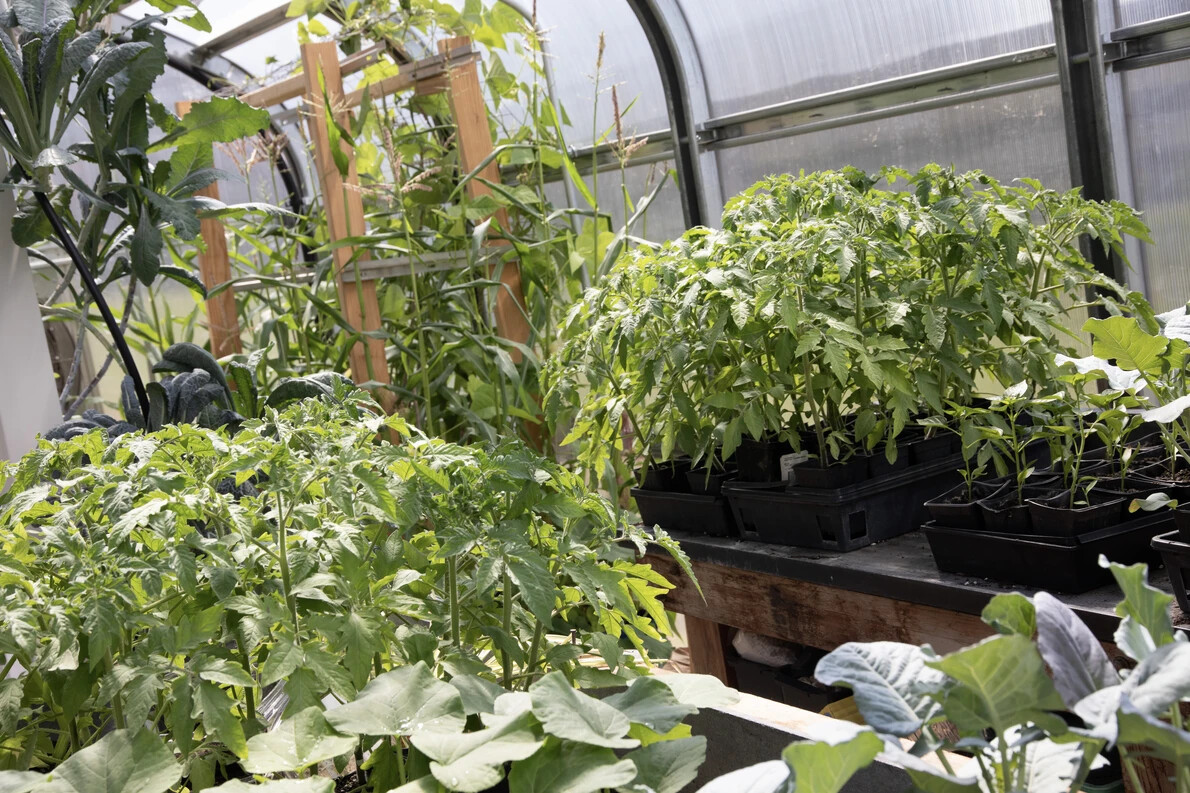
701	691
35	15
565	767
1076	659
1123	340
1051	767
771	776
295	744
1160	680
1002	683
1145	610
650	702
575	716
666	766
218	120
825	766
537	586
1159	738
214	706
474	761
1010	612
124	761
401	702
889	680
314	784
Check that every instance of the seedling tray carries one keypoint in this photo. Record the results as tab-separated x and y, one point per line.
1056	564
688	512
1176	555
840	519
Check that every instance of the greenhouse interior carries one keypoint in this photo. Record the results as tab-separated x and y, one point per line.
649	396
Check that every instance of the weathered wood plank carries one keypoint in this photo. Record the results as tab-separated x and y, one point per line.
214	267
344	208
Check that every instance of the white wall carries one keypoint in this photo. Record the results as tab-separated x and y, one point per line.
28	395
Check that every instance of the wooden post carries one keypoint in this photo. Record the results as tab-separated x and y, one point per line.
708	648
475	143
344	208
215	268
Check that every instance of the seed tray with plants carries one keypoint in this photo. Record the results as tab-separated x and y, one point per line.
1113	428
803	343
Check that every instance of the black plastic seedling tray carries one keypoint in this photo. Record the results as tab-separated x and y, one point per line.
1176	555
841	519
1056	564
688	512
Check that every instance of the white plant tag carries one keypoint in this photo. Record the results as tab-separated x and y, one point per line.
788	461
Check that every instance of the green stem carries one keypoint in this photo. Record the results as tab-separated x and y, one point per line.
505	661
283	557
452	582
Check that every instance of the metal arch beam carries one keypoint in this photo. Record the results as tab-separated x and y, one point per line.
262	23
681	72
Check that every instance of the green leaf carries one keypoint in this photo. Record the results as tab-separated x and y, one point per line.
532	575
213	705
401	702
771	776
1076	659
479	695
1003	684
474	761
1159	738
666	766
650	702
826	766
295	744
35	15
1122	339
123	761
221	670
575	716
314	784
1160	680
701	691
145	249
1145	611
1011	613
563	767
217	120
890	681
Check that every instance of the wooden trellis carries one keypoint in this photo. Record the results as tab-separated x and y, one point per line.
454	71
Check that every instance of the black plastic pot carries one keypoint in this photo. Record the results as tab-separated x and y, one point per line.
668	476
839	519
1176	555
1053	515
1002	513
878	464
1069	565
708	483
760	461
927	450
812	473
961	513
1181	519
694	514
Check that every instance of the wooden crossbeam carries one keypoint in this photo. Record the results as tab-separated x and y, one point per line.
344	209
424	76
214	266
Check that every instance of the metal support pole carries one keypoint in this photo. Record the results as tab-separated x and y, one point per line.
1081	73
678	100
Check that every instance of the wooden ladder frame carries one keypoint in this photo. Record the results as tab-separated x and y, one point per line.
453	71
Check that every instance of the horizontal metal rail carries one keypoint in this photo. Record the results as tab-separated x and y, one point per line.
241	34
1151	43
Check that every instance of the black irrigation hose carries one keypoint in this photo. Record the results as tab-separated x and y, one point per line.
109	319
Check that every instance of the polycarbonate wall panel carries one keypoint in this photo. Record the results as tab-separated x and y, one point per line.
1009	136
759	53
1133	12
662	221
572	31
1158	117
